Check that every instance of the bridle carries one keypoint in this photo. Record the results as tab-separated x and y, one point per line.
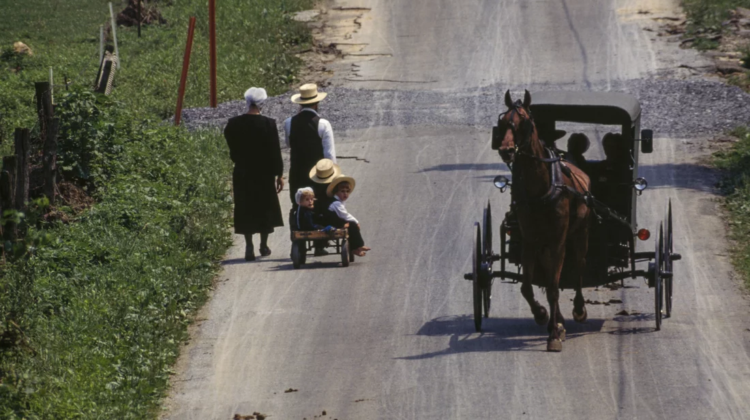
526	127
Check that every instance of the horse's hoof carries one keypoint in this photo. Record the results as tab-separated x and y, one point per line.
554	344
582	317
561	331
542	317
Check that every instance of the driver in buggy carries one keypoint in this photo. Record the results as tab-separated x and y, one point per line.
612	177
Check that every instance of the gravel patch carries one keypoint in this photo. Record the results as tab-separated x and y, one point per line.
676	108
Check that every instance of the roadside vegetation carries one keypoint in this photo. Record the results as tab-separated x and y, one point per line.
723	26
736	186
95	302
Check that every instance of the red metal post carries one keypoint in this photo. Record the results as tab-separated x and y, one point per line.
185	65
212	50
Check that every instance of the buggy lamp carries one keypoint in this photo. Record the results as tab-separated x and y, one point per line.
644	234
640	184
501	182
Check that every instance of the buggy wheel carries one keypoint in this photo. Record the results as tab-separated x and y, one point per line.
475	262
345	253
668	266
658	281
296	254
487	257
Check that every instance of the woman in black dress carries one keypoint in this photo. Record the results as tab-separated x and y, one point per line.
253	141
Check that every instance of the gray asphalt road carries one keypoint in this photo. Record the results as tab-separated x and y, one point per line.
391	336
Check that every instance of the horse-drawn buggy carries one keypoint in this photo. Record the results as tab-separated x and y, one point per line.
570	225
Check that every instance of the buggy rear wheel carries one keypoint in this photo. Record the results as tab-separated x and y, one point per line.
658	281
487	257
475	262
668	266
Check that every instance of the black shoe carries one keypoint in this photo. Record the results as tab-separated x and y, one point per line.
320	252
265	251
249	254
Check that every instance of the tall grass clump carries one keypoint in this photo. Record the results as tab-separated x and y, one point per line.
709	14
736	186
94	302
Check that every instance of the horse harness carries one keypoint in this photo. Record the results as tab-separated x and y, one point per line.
556	168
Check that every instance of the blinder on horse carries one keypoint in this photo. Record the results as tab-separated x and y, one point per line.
522	147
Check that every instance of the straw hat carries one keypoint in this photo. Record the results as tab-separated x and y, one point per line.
324	171
308	94
338	180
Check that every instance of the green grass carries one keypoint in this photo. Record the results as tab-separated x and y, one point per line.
93	312
736	185
256	41
707	15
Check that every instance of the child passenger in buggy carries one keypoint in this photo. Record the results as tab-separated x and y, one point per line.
339	189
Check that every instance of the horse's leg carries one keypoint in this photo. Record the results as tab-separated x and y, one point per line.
579	247
527	289
554	259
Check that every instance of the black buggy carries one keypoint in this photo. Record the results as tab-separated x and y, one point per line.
611	256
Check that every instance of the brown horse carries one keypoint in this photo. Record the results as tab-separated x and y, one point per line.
549	198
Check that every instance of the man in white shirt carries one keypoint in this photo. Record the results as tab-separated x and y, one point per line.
310	139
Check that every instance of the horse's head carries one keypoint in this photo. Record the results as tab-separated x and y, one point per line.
516	127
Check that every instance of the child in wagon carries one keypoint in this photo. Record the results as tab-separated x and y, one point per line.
306	217
339	190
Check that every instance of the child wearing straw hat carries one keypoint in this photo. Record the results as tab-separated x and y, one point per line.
340	189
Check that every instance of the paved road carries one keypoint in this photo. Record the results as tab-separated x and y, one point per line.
391	336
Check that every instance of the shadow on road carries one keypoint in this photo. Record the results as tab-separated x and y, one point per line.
498	334
445	167
680	175
310	265
235	261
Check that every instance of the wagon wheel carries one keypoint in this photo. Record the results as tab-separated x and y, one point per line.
487	257
668	266
476	262
345	253
658	284
302	252
296	257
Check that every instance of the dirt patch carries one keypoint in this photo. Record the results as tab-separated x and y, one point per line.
731	39
150	14
333	50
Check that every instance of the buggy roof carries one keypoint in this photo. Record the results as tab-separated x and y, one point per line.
586	107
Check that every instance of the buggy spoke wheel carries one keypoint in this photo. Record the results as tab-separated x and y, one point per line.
487	258
668	266
658	265
475	262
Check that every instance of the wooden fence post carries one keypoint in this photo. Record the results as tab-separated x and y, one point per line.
183	77
50	160
23	147
8	193
43	105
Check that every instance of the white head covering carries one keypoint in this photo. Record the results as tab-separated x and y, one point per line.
255	96
298	195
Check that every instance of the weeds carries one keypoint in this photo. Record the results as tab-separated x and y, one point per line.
736	186
92	312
